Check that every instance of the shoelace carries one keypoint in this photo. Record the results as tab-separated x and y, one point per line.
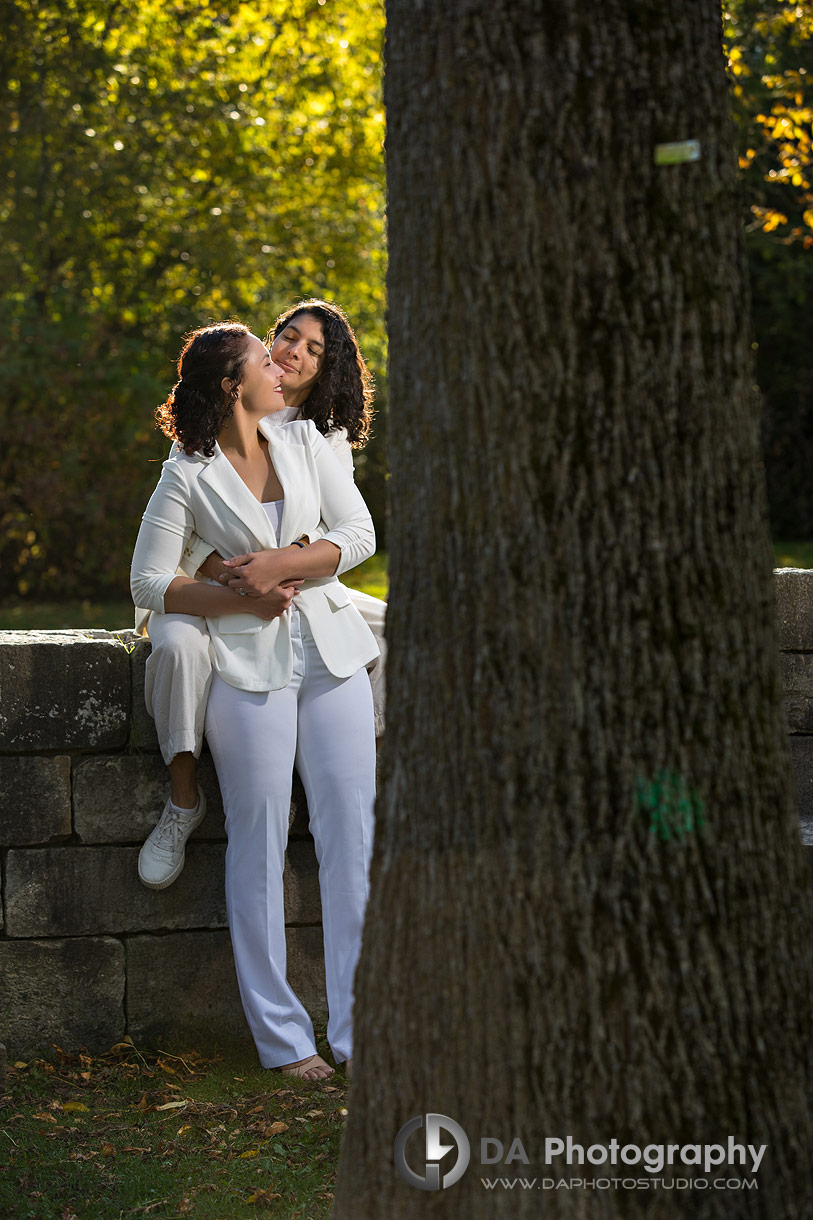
169	828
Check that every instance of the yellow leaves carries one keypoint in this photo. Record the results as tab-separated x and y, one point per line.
773	220
807	216
75	1107
252	1152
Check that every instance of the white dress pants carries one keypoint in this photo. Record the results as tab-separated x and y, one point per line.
324	726
179	671
176	681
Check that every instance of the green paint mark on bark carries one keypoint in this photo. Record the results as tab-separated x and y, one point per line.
673	808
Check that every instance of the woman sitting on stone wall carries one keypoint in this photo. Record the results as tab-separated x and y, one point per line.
324	378
288	687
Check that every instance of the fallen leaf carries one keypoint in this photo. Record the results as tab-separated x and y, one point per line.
256	1110
173	1105
277	1128
263	1196
314	1114
245	1155
108	1150
75	1105
20	1065
183	1130
43	1117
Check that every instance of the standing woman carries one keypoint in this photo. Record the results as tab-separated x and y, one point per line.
288	688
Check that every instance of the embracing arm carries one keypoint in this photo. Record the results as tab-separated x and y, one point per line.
350	537
166	526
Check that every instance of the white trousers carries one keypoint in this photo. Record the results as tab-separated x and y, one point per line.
323	725
179	672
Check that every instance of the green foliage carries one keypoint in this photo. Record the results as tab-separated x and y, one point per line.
771	66
771	62
169	162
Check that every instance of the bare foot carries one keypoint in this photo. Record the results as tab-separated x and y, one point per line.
312	1068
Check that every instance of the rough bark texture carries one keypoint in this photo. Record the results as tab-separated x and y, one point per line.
590	913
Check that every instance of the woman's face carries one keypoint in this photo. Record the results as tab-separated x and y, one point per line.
299	350
260	388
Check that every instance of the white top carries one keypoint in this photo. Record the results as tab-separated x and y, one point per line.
273	509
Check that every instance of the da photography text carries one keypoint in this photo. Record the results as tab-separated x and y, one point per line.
421	1160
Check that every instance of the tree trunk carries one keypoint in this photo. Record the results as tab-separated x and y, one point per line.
590	912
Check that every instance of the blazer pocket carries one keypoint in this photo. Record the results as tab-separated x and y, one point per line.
337	596
238	624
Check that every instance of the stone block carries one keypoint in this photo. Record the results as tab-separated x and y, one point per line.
797	682
118	799
180	984
62	689
142	725
35	800
298	822
183	984
301	880
85	891
306	969
68	992
793	591
801	753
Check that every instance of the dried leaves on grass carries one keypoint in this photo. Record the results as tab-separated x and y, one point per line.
156	1134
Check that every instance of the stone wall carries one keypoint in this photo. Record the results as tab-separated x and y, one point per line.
88	954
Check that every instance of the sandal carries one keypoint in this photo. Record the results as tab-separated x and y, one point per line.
303	1068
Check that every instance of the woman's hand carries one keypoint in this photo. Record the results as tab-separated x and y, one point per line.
257	572
271	605
213	569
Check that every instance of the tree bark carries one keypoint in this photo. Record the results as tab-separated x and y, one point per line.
590	912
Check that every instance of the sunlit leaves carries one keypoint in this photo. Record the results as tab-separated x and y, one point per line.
165	163
770	60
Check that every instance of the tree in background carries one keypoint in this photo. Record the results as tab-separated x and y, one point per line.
590	913
168	163
771	68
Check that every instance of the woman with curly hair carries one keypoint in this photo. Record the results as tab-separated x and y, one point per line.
324	378
288	687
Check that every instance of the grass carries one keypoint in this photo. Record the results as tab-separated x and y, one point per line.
169	1136
793	554
22	614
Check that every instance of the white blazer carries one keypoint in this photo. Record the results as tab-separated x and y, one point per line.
207	497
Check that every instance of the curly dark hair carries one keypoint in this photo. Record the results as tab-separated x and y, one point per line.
197	407
343	395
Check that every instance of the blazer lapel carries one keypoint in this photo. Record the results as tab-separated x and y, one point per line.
220	477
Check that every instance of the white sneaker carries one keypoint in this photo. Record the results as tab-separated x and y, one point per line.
161	859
